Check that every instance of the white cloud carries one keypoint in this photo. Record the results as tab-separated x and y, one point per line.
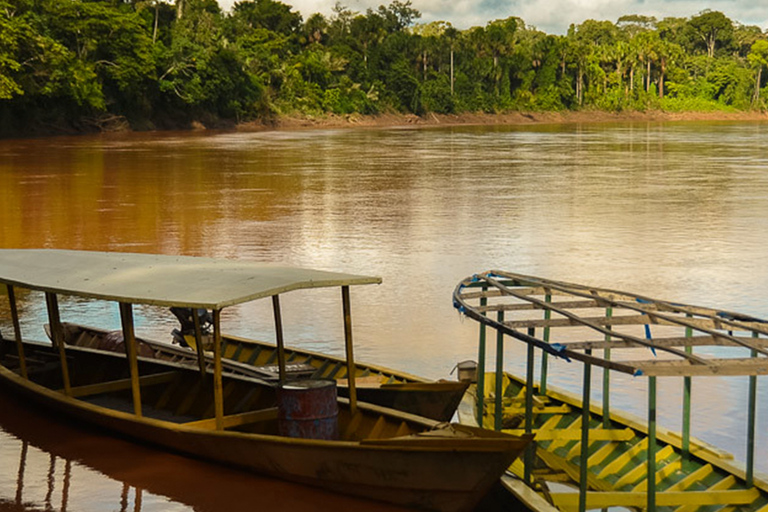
551	16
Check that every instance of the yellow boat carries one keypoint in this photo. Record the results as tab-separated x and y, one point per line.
242	356
346	447
589	456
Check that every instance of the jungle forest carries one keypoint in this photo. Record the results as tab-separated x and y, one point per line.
87	65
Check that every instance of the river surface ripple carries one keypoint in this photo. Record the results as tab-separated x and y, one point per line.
675	211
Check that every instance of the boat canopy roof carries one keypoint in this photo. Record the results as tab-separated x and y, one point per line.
617	330
162	280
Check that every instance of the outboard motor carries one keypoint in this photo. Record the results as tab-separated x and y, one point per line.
187	321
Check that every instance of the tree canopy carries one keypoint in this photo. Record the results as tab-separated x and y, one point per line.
96	64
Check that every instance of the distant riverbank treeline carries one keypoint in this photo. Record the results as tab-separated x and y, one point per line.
105	64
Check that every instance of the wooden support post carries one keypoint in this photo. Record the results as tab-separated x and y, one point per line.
199	342
52	304
752	404
584	456
349	346
651	444
218	393
129	340
686	444
607	377
17	331
530	449
499	404
279	338
544	355
481	365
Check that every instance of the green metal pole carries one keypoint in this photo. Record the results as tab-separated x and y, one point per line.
583	467
651	444
751	424
481	366
687	383
529	450
499	373
544	355
607	377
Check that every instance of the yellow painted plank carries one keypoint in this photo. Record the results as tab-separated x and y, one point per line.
572	470
558	443
641	470
691	479
619	462
570	500
601	454
600	434
661	474
558	409
235	420
552	422
724	484
122	384
762	509
517	468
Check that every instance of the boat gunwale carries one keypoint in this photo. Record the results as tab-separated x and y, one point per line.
706	452
77	403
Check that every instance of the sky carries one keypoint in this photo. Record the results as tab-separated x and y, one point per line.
551	16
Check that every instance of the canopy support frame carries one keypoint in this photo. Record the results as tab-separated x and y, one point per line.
17	332
52	303
129	340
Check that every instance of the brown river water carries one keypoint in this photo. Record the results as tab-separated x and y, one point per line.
675	211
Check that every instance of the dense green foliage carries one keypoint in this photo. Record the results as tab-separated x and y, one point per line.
90	64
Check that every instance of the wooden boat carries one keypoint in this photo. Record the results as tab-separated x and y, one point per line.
242	356
613	459
67	462
240	421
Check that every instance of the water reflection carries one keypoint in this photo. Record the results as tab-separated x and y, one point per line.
673	211
51	464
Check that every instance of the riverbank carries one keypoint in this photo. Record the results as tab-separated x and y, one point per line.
509	118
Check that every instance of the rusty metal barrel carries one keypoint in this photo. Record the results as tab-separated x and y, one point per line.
308	409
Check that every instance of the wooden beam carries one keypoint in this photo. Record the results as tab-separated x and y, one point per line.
218	392
601	326
129	341
199	342
123	384
52	303
569	500
719	367
279	338
527	306
672	341
17	331
346	306
235	420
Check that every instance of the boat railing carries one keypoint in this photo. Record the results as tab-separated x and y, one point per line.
652	338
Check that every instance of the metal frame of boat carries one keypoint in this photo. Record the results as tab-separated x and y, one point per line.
242	356
382	454
613	460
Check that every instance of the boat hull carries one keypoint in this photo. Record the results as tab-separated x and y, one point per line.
616	453
432	473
